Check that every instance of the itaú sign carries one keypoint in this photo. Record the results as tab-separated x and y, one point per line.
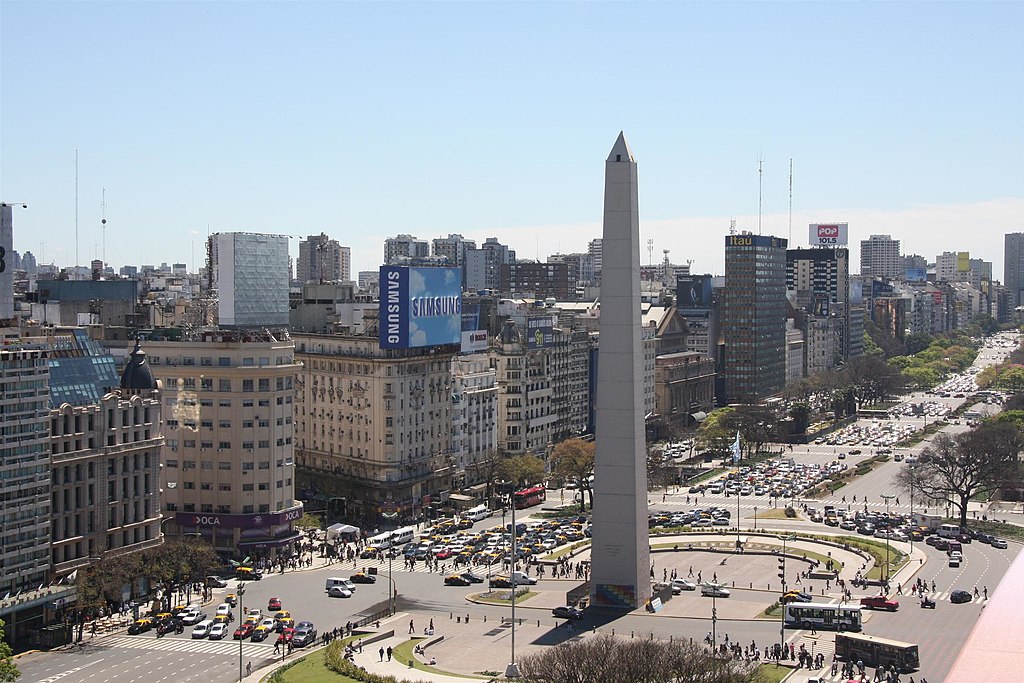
266	519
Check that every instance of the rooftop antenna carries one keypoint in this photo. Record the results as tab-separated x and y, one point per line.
103	225
76	208
650	252
666	268
760	175
732	226
791	199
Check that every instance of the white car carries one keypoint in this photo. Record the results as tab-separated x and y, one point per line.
218	631
339	592
680	585
224	608
202	629
714	590
999	543
192	617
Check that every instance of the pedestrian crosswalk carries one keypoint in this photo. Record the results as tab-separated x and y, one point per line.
213	647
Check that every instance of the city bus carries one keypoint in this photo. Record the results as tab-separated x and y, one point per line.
876	652
528	497
823	616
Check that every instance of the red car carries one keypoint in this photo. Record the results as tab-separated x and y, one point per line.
244	631
274	604
879	602
286	636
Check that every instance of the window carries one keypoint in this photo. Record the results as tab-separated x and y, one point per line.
206	402
224	487
247	386
247	487
247	403
224	385
207	464
247	445
224	424
206	507
189	485
246	466
265	443
189	384
224	445
224	403
246	424
264	486
264	403
265	465
223	465
190	443
206	424
188	465
171	463
264	384
206	486
206	384
224	362
247	362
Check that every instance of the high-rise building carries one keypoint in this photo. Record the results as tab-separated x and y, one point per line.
537	280
820	279
322	259
404	247
754	317
474	419
595	250
573	263
228	454
483	265
453	249
1013	267
6	266
880	257
249	273
28	263
24	467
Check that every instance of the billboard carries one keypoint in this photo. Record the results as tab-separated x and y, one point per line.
829	234
474	341
880	289
6	267
693	292
916	275
963	261
419	307
540	332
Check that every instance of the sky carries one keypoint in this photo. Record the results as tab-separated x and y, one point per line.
366	120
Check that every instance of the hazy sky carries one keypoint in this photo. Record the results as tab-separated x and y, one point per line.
364	120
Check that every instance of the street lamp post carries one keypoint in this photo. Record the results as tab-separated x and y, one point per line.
512	670
782	605
888	533
755	518
392	593
241	616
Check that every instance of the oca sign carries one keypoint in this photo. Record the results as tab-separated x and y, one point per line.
828	234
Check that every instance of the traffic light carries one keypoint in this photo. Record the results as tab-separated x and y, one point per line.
782	569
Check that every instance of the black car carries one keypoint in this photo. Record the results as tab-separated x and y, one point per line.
472	578
567	613
960	596
362	577
456	580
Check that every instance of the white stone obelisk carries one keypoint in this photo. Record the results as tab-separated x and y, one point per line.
620	557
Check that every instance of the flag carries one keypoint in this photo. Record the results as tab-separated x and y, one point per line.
736	448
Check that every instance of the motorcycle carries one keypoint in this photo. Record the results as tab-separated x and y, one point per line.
927	603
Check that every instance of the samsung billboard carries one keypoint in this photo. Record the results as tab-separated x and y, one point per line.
829	234
419	307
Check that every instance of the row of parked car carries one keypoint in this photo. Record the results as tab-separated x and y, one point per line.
773	478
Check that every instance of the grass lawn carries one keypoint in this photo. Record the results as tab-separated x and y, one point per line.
777	513
771	673
493	599
773	612
311	669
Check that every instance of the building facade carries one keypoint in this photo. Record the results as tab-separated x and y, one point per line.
474	419
228	454
322	259
536	280
404	247
684	386
754	317
374	426
250	275
1013	267
483	265
880	257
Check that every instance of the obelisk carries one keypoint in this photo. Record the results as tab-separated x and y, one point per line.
620	555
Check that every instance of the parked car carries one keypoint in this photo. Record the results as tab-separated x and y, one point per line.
567	613
879	602
999	543
680	585
216	582
714	591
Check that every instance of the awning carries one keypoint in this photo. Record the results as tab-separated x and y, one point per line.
458	497
271	542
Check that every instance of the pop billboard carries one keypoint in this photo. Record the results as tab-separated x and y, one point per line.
419	307
540	332
693	292
829	234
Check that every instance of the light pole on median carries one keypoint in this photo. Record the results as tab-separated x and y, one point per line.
888	533
241	615
782	604
512	670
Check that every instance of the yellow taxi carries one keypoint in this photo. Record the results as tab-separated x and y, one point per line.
282	614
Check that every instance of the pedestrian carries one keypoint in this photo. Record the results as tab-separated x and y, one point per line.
277	648
381	653
248	668
986	592
432	624
691	571
389	653
412	629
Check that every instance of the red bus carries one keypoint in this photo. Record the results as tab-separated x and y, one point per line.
528	497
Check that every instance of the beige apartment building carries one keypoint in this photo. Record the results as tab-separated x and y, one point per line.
228	456
374	426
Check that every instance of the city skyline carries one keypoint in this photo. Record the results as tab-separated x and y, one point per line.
443	119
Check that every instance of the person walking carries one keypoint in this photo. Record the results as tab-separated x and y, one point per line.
381	653
412	629
389	652
248	668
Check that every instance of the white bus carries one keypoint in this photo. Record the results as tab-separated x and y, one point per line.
836	617
477	513
389	538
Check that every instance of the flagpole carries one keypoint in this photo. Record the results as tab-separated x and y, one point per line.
736	459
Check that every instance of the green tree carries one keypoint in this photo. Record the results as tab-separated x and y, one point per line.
8	669
800	413
715	434
958	468
574	459
522	470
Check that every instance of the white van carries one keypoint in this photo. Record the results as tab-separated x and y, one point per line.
477	513
336	581
389	538
949	531
202	629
